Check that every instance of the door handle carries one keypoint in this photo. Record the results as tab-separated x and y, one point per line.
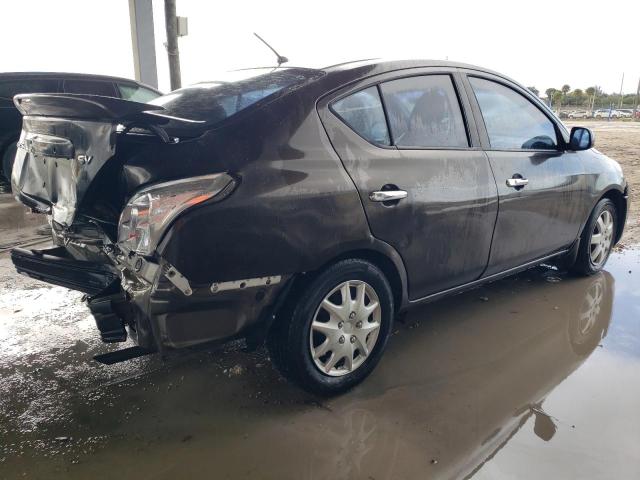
387	195
517	182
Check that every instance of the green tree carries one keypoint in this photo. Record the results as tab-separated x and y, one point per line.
557	98
534	90
591	91
577	96
565	89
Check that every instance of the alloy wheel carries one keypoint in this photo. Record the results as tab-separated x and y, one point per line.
601	239
345	328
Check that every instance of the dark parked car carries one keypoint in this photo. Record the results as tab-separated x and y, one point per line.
12	84
307	207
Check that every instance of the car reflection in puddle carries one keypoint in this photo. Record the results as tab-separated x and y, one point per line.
452	393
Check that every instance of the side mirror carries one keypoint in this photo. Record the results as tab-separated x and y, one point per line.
581	138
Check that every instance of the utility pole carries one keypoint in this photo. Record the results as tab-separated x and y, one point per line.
171	24
621	84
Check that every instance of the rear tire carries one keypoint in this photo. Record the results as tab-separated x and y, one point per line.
8	157
597	239
332	335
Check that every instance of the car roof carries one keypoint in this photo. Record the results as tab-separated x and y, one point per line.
344	73
373	66
391	65
71	76
382	66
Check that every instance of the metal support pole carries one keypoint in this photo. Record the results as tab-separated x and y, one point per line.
635	105
171	24
143	41
621	95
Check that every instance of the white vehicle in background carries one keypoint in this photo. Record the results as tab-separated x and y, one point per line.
579	114
625	112
606	113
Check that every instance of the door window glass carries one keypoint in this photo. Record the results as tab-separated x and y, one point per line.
136	93
90	87
424	112
363	112
512	121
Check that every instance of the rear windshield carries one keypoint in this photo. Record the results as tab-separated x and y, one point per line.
215	101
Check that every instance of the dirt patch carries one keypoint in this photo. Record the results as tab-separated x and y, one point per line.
621	141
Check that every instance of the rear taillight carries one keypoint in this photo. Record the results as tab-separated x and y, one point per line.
150	211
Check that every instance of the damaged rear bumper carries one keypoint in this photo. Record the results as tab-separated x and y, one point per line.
152	302
54	265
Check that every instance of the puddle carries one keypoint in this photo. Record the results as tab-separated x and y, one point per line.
538	381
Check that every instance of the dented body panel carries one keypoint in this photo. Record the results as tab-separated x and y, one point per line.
299	201
56	162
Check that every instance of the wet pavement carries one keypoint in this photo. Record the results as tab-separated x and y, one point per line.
536	376
18	226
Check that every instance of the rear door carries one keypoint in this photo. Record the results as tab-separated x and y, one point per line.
541	186
425	183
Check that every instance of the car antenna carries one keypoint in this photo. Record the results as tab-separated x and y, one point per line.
281	59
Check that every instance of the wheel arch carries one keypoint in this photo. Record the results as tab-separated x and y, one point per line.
386	259
619	199
385	264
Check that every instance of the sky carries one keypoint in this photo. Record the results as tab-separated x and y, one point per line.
542	44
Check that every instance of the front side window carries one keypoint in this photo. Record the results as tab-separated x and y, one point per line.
512	121
424	112
363	112
136	93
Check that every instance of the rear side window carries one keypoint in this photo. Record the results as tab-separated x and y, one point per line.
512	121
90	87
363	112
424	111
136	93
10	88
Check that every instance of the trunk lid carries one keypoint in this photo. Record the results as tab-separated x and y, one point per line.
65	141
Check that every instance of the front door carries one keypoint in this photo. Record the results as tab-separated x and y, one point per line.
425	183
540	185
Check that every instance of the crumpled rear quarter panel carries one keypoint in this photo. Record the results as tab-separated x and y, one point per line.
294	208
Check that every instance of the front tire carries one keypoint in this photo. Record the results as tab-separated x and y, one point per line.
598	238
331	337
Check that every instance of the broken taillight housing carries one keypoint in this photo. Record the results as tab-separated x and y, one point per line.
151	210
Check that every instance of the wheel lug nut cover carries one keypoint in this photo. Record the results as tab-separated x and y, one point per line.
352	315
353	339
341	339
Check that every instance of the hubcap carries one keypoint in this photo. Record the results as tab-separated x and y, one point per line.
601	239
350	311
